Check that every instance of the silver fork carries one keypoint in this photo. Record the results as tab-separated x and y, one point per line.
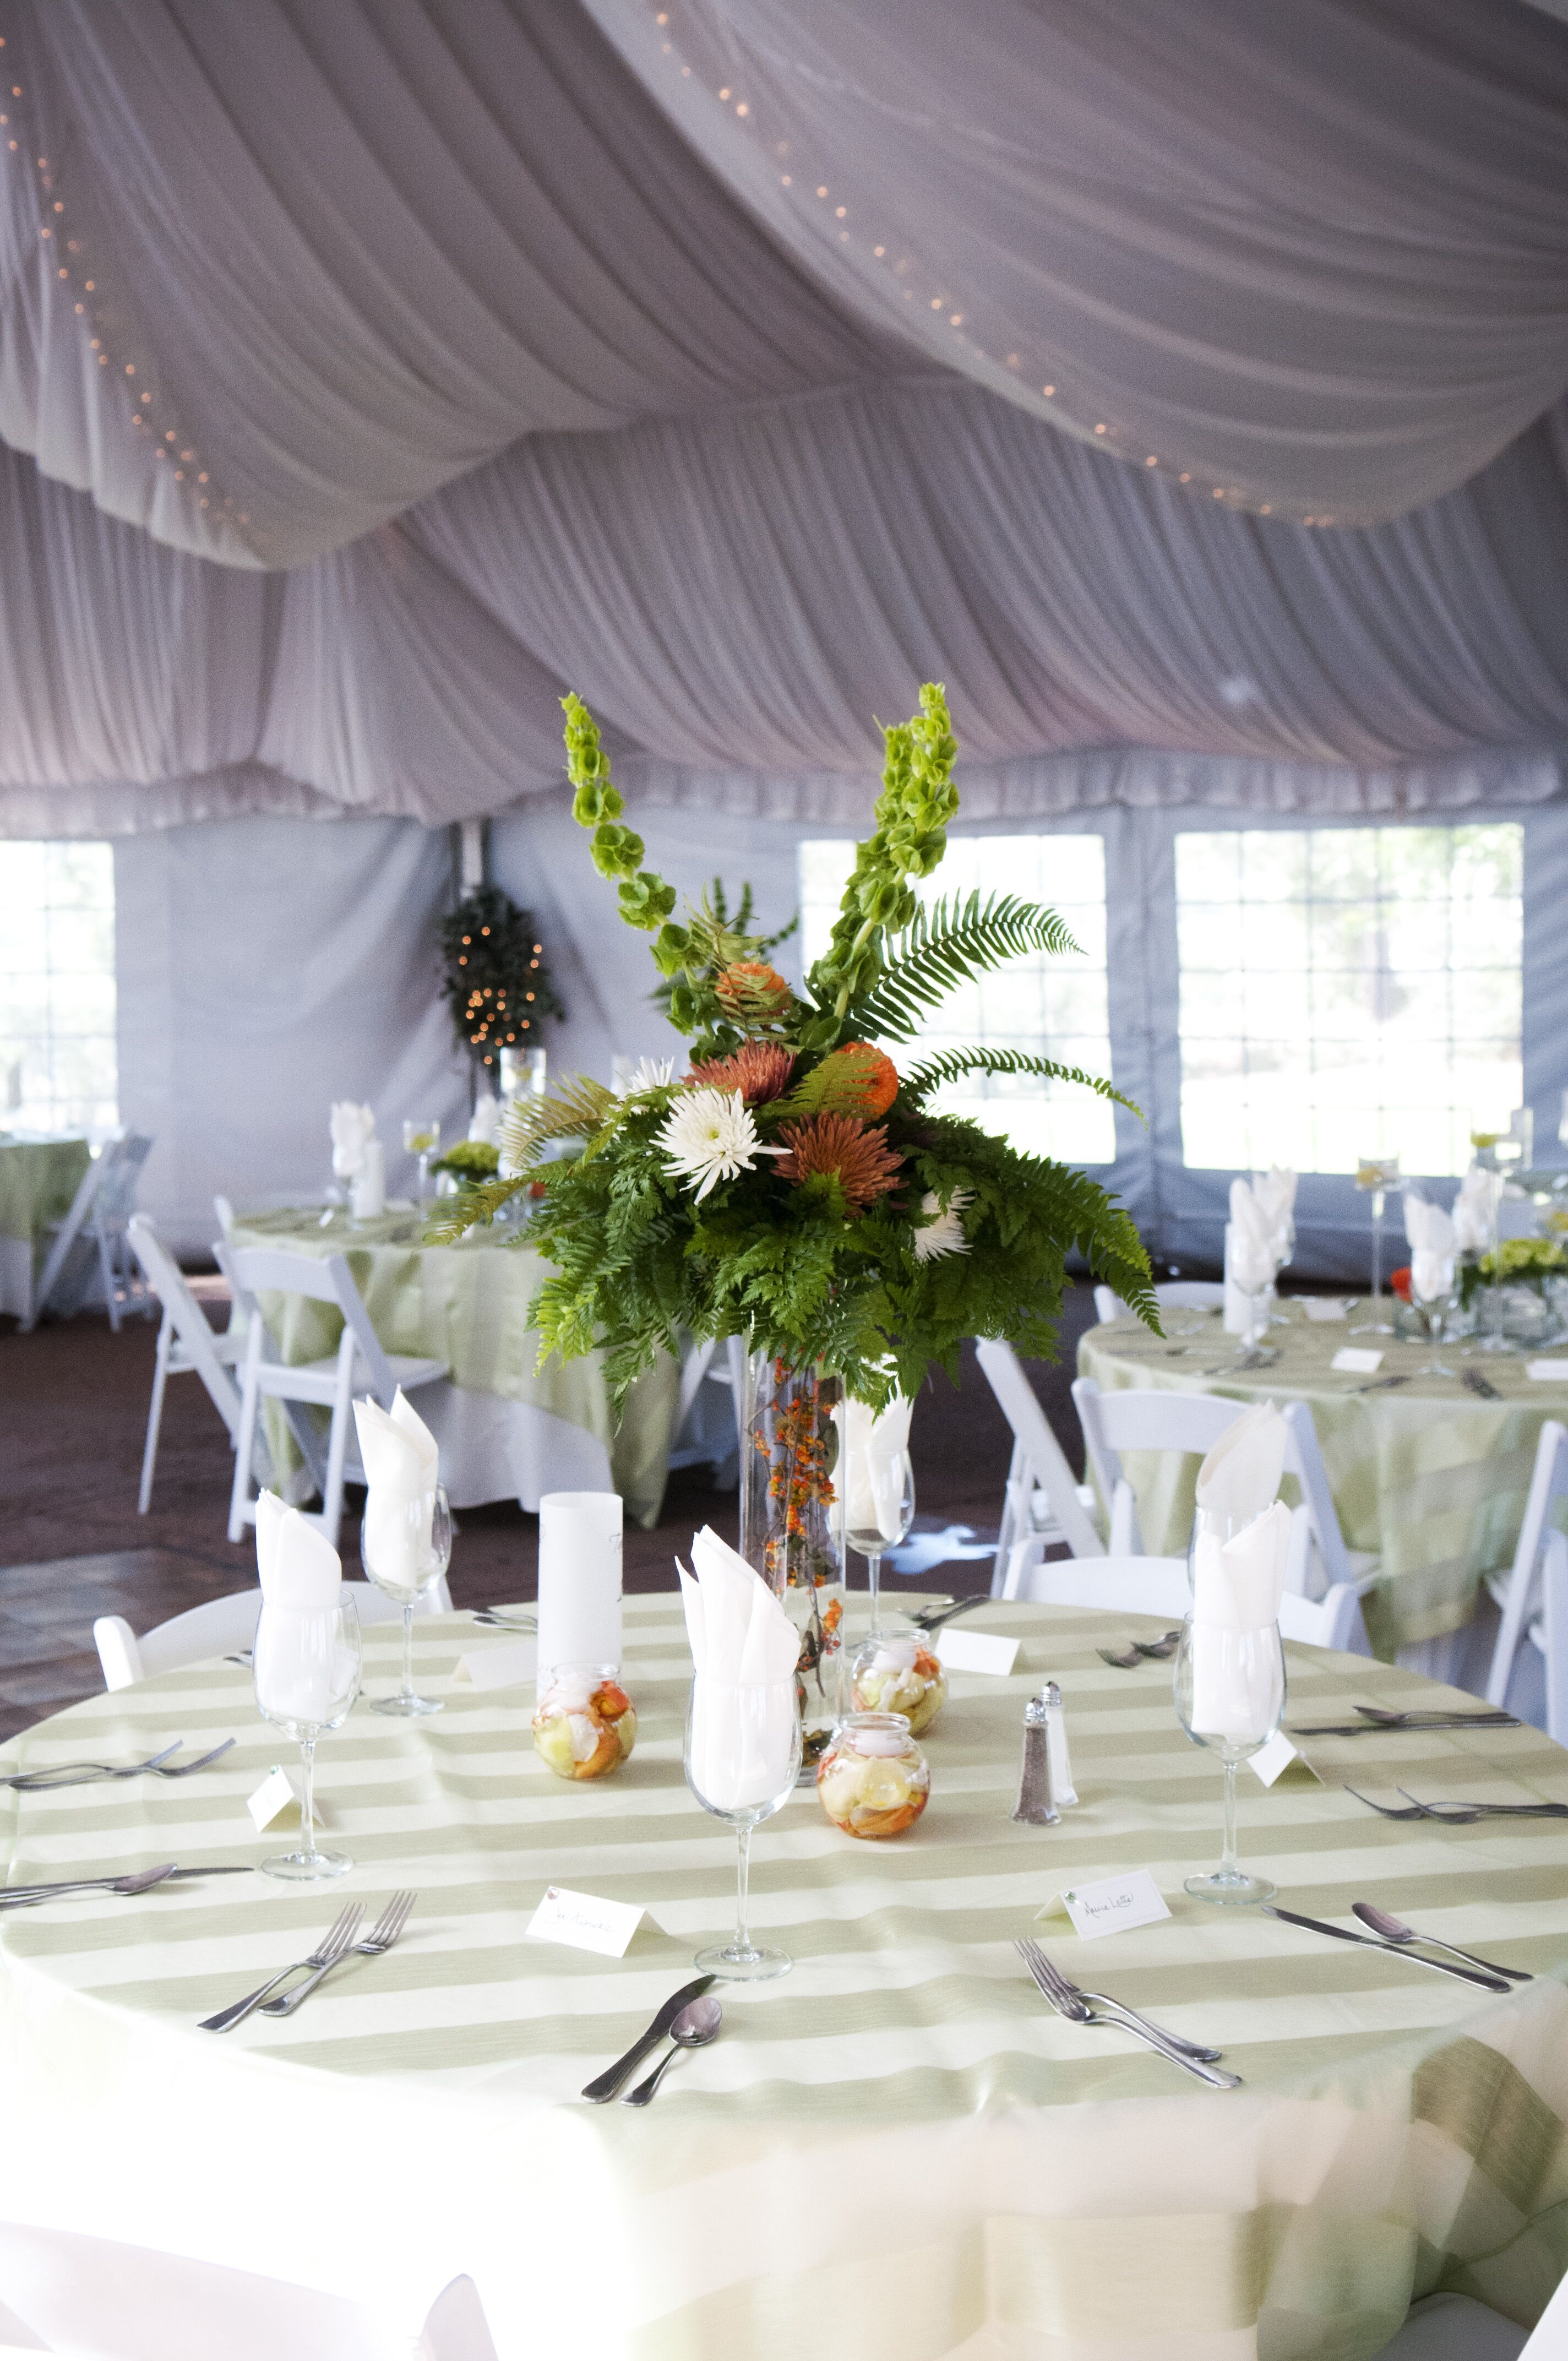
332	1945
381	1938
1117	2007
1069	2001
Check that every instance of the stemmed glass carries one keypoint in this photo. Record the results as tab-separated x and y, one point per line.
403	1560
1495	1150
760	1716
1230	1697
1374	1176
1432	1310
890	1483
305	1669
1251	1351
423	1140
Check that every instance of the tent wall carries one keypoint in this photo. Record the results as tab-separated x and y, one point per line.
269	966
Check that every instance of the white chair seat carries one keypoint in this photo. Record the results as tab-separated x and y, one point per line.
219	1625
316	1381
1158	1586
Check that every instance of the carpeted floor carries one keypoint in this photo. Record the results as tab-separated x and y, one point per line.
73	1405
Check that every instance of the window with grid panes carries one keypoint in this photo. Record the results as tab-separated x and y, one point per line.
59	1056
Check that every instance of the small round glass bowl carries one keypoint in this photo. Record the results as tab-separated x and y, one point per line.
584	1726
897	1672
873	1780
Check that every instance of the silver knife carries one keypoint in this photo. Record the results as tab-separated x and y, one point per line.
66	1884
605	2086
1400	1950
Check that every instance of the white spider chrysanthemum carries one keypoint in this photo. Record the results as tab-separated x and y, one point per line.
941	1231
648	1074
708	1136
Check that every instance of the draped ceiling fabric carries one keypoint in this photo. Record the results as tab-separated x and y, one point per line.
371	370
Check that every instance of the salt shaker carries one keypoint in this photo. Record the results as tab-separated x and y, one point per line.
1034	1805
1063	1791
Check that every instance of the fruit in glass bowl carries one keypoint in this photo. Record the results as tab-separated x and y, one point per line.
873	1780
898	1673
585	1725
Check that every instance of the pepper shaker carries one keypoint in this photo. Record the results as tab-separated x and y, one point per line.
1063	1791
1034	1805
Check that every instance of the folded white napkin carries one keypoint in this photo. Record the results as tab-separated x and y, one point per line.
1430	1235
484	1123
1474	1208
400	1460
1275	1192
744	1649
1236	1589
871	1448
1241	1475
351	1125
368	1189
298	1672
1251	1260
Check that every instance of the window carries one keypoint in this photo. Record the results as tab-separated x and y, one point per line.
1347	991
1051	1007
58	1066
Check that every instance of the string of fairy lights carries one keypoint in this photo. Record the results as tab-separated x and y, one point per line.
880	245
92	307
478	1019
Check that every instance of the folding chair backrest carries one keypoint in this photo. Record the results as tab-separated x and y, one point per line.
183	1314
221	1624
124	1158
1044	1461
1122	1586
267	1270
1144	1419
1547	1484
225	1212
1554	1589
1304	1460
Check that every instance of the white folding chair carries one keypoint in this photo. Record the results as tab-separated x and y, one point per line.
187	1345
1549	1633
360	1365
219	1625
1520	1598
1042	1502
1158	1586
225	1212
1150	1419
1171	1295
125	1289
707	1432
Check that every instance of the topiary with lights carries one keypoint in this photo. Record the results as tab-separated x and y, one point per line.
497	984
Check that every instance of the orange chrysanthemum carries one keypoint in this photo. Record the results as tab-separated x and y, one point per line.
856	1151
870	1079
760	1070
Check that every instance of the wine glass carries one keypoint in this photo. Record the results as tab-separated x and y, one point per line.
1496	1151
1432	1310
405	1545
1230	1697
1374	1176
886	1487
421	1138
743	1758
305	1668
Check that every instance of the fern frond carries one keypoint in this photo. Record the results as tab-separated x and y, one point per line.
576	1110
949	945
838	1085
468	1209
950	1065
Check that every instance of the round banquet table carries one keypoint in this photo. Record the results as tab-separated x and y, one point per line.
39	1178
1430	1476
897	2152
507	1427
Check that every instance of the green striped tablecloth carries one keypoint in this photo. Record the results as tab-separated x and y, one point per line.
468	1305
1430	1476
39	1178
897	2153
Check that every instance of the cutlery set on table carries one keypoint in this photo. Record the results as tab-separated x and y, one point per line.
337	1947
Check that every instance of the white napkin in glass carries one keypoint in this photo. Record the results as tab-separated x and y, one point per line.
351	1125
368	1189
401	1458
1474	1208
1241	1475
484	1123
1236	1589
1275	1192
871	1444
1251	1260
744	1649
1429	1232
296	1673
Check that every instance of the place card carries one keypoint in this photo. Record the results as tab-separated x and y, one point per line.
584	1922
279	1797
1547	1373
1272	1761
1109	1904
503	1666
1359	1360
1322	1307
975	1652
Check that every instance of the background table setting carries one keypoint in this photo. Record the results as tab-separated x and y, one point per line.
39	1178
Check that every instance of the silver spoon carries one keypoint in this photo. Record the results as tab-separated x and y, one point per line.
16	1896
1394	1931
696	2027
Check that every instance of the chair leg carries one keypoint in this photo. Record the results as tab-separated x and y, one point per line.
106	1266
155	1415
244	1445
337	1447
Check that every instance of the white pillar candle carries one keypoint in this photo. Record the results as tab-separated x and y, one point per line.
368	1189
579	1578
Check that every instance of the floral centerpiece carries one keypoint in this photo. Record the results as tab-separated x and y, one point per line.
794	1185
471	1162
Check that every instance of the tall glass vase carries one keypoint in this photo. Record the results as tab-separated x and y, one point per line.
791	1527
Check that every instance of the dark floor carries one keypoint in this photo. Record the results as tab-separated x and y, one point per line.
73	1405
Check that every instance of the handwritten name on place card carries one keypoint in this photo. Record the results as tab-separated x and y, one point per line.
1359	1360
976	1651
1109	1903
584	1922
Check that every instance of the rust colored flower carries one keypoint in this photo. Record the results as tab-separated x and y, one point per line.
752	995
864	1080
856	1151
760	1070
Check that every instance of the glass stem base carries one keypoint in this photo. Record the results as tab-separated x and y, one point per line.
750	1965
405	1703
1231	1885
307	1864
